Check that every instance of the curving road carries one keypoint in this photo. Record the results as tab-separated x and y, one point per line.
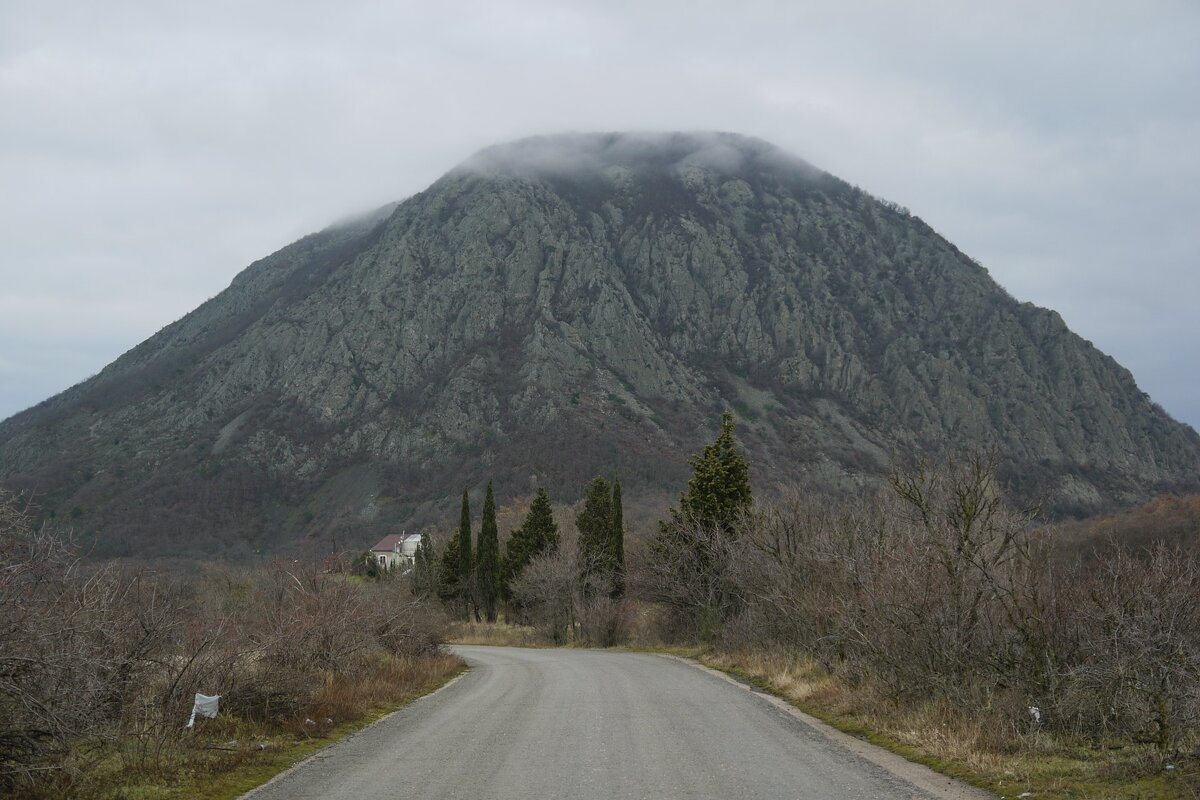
591	724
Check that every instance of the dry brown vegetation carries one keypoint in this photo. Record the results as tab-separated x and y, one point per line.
933	617
937	616
99	665
564	600
1173	521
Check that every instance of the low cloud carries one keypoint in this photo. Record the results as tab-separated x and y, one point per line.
577	153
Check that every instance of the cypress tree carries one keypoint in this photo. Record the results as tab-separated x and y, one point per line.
537	535
424	574
417	576
487	562
595	531
448	576
466	584
617	533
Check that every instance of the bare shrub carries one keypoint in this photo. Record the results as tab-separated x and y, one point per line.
689	573
791	570
567	600
549	596
605	621
310	621
98	662
76	645
1139	671
935	590
404	625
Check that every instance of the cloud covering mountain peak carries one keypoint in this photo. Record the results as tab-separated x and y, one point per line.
568	154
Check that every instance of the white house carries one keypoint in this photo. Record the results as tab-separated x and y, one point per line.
396	550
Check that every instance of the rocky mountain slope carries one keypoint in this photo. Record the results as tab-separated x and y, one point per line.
563	306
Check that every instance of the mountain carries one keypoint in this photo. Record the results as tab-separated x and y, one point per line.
570	305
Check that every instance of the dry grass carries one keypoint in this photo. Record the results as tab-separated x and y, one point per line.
966	746
228	756
393	681
500	634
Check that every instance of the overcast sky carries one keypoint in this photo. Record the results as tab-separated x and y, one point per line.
151	150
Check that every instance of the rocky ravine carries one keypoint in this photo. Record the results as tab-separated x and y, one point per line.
562	306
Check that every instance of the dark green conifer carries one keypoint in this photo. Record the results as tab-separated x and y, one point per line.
595	532
424	573
466	582
449	583
617	533
487	562
718	495
687	551
537	535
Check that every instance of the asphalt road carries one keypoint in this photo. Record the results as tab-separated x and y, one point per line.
590	724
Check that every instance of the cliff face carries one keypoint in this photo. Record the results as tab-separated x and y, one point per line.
569	305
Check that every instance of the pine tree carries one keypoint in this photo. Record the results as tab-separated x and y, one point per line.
718	494
466	582
595	532
688	554
617	547
487	562
537	535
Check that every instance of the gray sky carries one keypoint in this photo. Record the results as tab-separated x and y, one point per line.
151	150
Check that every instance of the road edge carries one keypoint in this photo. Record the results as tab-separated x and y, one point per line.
942	787
278	776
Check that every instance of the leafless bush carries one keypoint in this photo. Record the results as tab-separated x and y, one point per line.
689	572
565	600
307	621
935	588
76	645
402	624
605	621
1139	670
548	593
97	661
790	570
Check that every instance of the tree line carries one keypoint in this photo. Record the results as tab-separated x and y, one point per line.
573	584
931	587
473	577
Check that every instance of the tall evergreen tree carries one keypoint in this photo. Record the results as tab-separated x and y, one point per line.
718	494
416	577
595	531
487	561
617	533
466	582
449	588
537	535
424	573
688	554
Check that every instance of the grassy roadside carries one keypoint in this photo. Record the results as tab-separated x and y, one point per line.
1045	766
229	757
935	735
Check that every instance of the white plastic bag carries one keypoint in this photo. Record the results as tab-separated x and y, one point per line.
205	706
